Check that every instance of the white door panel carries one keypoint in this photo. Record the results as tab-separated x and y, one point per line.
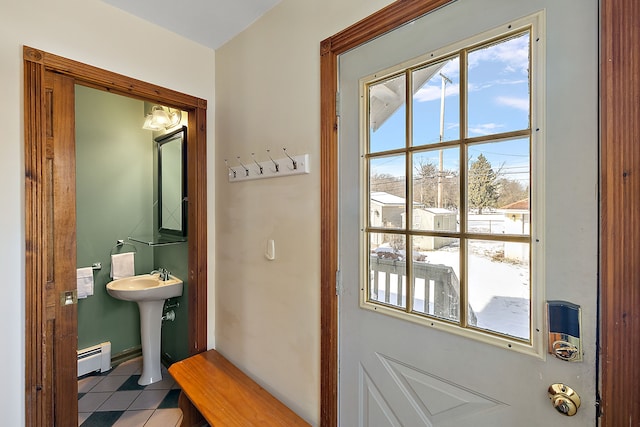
397	373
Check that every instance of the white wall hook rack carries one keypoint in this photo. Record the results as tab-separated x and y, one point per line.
286	166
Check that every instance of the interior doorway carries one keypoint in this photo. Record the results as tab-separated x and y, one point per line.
51	328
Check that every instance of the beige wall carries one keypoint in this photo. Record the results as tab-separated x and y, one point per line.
95	33
267	83
267	97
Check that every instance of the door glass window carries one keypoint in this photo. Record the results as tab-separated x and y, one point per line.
449	179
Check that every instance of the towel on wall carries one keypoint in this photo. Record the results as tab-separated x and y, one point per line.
84	279
123	265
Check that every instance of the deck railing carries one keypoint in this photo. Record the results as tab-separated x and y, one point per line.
436	290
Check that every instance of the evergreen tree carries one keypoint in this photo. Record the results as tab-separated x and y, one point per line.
483	188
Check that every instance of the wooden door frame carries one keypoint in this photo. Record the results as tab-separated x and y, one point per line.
619	301
39	372
619	210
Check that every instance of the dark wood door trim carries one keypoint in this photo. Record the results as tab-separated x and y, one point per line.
60	190
40	379
620	212
619	189
38	393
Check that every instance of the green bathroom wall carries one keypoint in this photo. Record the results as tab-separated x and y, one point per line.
115	199
175	334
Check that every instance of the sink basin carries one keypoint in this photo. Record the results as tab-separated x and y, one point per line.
145	287
149	292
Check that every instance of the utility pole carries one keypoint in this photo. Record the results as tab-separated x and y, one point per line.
445	80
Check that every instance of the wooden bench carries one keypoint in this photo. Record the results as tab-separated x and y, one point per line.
216	391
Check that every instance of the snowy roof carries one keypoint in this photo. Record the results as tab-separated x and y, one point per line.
520	205
386	198
438	210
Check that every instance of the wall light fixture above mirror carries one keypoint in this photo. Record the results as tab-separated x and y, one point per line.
160	119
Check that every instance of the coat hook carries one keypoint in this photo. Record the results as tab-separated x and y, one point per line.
230	168
246	170
295	164
256	162
274	162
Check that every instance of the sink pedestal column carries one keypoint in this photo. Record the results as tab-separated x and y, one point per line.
150	293
150	326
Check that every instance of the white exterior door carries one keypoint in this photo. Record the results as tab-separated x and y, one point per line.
397	372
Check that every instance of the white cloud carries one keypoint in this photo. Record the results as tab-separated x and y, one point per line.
433	92
513	53
517	103
485	128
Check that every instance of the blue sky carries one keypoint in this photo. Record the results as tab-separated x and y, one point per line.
498	101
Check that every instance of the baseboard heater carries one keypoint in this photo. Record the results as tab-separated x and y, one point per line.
94	358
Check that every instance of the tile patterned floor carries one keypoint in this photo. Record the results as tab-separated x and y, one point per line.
114	398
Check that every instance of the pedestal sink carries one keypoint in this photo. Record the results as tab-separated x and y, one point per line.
149	291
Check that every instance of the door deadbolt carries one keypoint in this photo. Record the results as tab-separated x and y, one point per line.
564	399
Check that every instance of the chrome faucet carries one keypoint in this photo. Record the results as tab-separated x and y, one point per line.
163	273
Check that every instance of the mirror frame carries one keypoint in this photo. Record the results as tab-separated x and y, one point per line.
162	140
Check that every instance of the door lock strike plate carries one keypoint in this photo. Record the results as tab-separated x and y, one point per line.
69	297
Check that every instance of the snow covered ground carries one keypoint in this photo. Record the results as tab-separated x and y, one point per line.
499	291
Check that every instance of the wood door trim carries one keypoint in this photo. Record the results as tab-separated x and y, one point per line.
61	239
39	374
619	164
38	393
619	211
383	21
98	78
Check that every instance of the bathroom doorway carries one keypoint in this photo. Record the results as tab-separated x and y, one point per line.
117	199
50	223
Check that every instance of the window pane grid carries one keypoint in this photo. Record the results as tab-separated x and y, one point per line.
430	257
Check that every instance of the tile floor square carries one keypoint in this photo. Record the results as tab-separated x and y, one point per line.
134	418
102	419
92	401
110	383
119	401
82	416
131	383
165	418
87	383
170	400
130	367
167	383
148	399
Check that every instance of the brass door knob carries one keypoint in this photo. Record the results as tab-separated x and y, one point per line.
564	399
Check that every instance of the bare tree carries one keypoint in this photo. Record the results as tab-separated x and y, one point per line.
425	183
511	191
425	186
387	183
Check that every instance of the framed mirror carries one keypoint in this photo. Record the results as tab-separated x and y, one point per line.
172	182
